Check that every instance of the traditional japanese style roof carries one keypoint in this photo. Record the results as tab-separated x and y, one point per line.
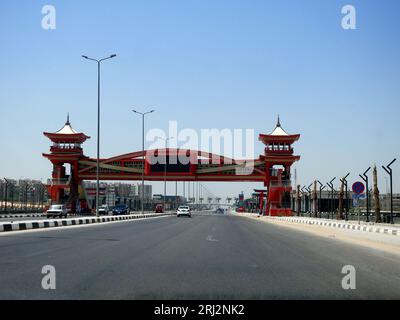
67	129
278	135
278	131
66	134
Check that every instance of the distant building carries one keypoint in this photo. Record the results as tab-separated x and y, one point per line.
116	193
148	190
171	202
385	202
22	195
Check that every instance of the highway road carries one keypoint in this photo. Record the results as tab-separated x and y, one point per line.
205	257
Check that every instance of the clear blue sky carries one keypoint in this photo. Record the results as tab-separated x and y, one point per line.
207	64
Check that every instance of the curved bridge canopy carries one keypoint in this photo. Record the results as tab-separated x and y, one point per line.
175	165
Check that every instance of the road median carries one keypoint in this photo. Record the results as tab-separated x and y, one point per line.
52	223
22	215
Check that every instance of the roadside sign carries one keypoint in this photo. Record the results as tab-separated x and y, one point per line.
358	187
359	196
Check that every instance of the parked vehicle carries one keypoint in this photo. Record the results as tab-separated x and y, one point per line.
120	209
184	211
104	210
159	208
56	210
220	211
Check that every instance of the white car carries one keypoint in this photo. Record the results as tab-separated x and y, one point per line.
184	211
104	210
56	210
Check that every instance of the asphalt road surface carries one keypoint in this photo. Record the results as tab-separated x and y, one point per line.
203	257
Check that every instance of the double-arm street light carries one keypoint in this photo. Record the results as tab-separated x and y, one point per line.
309	198
321	187
330	184
143	159
365	178
302	192
165	166
344	181
98	125
389	170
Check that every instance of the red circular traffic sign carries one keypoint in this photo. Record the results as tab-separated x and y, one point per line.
358	187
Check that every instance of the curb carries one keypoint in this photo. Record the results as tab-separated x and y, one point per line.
22	216
41	224
337	224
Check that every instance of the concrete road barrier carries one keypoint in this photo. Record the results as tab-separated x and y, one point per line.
51	223
29	215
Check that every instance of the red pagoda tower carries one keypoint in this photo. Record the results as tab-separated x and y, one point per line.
66	149
278	158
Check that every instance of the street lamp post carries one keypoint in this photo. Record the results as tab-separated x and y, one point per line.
143	159
347	199
165	167
26	197
309	199
98	126
6	195
389	170
330	184
365	178
321	187
302	192
176	194
41	196
33	198
12	196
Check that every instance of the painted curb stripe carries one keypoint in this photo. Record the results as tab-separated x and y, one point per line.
16	226
380	230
